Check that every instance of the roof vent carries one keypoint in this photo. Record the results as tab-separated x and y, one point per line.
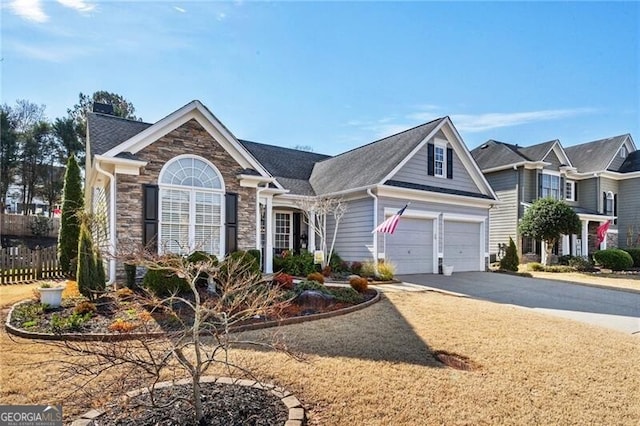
103	108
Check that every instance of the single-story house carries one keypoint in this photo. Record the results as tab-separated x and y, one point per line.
187	181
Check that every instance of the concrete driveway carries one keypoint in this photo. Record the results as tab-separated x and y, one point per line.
614	309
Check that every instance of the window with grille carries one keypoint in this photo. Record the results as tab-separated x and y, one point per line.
191	197
438	160
550	186
282	235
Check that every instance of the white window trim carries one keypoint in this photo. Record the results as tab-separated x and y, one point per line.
571	183
443	145
556	174
192	205
623	151
290	214
611	197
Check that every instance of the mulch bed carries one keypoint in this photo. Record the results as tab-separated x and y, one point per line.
223	405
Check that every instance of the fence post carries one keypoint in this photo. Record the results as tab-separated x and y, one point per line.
38	262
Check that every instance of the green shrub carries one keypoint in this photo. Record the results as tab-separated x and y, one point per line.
635	255
346	295
565	259
359	284
510	260
535	266
202	279
299	265
356	268
368	269
246	265
90	274
130	274
336	263
581	263
316	276
72	206
41	225
558	268
163	282
256	254
311	285
614	259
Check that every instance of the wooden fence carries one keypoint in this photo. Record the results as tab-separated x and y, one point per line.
21	225
20	264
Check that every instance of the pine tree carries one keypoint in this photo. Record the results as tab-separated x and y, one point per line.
510	260
72	205
86	274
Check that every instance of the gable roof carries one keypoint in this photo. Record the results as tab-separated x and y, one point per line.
596	155
537	152
368	164
108	131
631	163
495	154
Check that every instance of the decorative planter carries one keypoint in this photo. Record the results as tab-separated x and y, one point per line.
51	296
447	270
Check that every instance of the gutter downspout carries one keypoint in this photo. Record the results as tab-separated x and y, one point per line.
258	223
112	220
375	224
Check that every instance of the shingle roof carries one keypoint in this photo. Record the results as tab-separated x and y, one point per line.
368	164
108	131
430	188
632	163
494	153
284	162
594	156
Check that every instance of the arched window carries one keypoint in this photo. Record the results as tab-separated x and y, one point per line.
191	206
609	204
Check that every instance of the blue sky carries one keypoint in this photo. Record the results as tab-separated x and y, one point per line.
335	75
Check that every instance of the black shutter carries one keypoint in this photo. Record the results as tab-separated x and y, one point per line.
575	190
296	232
231	225
604	202
150	217
430	154
563	188
449	163
615	208
539	195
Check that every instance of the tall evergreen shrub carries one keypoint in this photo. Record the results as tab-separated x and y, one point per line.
72	205
510	260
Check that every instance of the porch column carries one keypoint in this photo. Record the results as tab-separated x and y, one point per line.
311	234
566	249
585	238
268	232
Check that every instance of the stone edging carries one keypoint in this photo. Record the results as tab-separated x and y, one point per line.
104	337
296	411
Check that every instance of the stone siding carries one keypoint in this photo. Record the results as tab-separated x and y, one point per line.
190	138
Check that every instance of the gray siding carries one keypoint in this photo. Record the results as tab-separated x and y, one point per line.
432	207
607	185
617	161
553	159
528	188
629	213
503	217
354	241
588	196
415	171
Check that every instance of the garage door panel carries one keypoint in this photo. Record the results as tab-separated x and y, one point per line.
410	247
462	245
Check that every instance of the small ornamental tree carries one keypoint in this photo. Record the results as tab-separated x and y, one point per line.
72	205
510	260
547	220
90	273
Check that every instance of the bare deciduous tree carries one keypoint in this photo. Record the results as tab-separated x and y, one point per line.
317	211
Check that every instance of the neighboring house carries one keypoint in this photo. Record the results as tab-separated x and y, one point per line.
187	181
599	179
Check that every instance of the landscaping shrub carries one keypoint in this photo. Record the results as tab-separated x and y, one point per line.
247	265
356	268
84	307
163	282
326	271
346	295
336	263
368	269
386	270
564	260
614	259
299	265
311	285
558	268
90	274
256	254
284	281
41	225
510	260
316	276
121	326
580	263
635	255
72	205
202	279
124	293
130	274
535	266
359	284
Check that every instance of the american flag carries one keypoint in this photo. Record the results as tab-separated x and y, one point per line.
602	232
389	226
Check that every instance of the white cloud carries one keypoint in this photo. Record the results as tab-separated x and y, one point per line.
179	9
31	10
481	122
79	5
221	16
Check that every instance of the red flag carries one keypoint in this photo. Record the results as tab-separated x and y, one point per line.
389	226
602	231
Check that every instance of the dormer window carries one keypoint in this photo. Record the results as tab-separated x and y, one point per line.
623	151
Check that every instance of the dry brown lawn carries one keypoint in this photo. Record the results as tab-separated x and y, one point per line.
375	367
605	280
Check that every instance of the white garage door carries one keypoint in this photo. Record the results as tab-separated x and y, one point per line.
462	245
410	247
